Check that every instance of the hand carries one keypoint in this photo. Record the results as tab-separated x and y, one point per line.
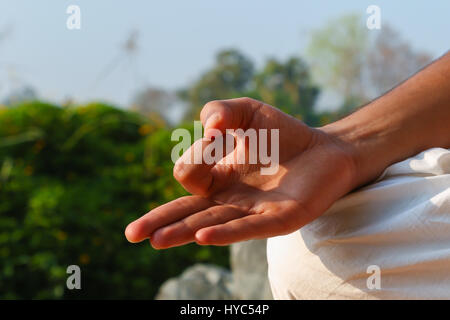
317	166
234	202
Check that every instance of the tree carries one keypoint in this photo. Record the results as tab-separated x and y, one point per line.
152	102
288	86
337	53
391	60
71	179
230	74
359	65
22	94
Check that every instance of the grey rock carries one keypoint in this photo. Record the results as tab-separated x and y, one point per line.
247	280
249	269
198	282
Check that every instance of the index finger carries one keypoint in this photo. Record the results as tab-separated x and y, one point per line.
228	114
168	213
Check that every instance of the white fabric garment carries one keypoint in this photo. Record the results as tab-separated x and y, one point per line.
400	223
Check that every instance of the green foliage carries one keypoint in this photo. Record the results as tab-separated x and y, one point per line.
228	78
71	179
337	52
286	85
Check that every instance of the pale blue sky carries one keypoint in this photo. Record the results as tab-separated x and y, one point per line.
178	39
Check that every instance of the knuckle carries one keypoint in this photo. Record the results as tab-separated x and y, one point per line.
159	239
247	100
166	233
213	103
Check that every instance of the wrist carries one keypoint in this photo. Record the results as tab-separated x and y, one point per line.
372	145
405	121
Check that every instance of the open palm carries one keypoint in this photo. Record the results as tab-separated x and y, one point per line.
234	202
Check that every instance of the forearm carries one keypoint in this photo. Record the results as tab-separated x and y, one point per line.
411	118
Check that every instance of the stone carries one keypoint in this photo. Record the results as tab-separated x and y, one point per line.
198	282
247	280
249	270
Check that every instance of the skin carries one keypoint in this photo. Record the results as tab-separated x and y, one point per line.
318	166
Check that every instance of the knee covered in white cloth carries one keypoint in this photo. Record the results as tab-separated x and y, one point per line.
396	229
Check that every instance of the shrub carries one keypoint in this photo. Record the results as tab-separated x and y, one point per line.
71	179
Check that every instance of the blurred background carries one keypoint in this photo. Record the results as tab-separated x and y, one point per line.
86	116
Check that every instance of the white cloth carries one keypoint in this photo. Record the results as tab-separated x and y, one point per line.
400	223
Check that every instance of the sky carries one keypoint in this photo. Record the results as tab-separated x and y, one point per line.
177	39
